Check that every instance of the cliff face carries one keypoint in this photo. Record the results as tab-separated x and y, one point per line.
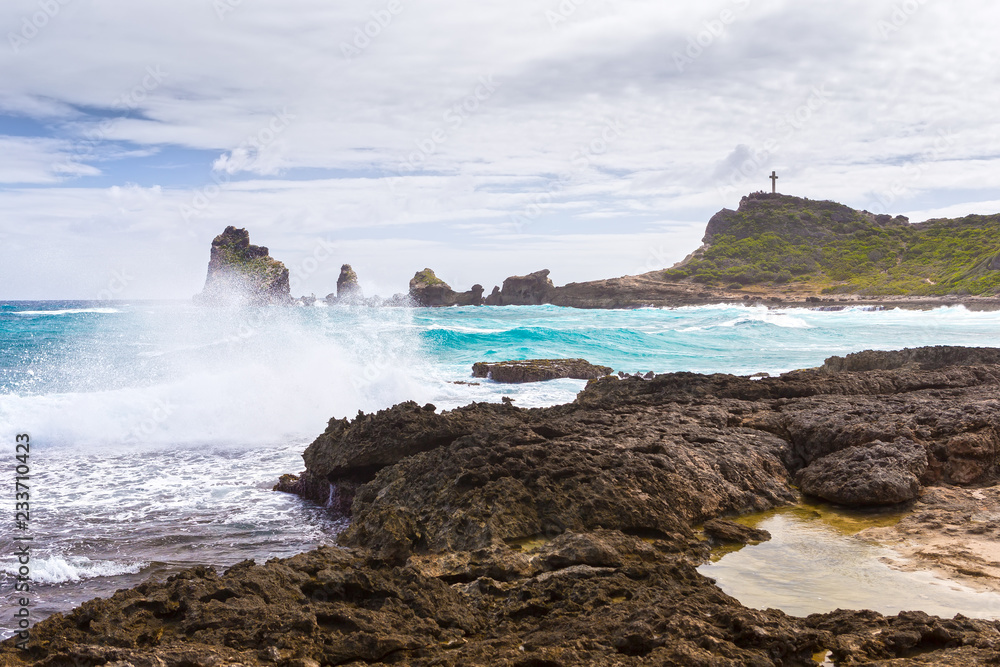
822	247
243	274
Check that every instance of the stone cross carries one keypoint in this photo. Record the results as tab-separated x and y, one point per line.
774	182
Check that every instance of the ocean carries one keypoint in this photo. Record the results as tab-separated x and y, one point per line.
158	428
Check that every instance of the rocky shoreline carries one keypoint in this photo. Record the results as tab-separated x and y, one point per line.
492	535
654	290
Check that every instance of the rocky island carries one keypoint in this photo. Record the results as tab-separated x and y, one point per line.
570	535
243	274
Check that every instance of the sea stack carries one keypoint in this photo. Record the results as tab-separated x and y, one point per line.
243	274
426	289
348	289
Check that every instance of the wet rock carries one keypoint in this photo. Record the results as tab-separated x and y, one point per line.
878	473
559	474
356	450
924	358
730	532
537	370
491	535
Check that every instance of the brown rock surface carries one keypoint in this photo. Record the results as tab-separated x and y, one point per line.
538	370
878	473
492	535
952	530
724	531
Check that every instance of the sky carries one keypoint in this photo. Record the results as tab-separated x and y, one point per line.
481	139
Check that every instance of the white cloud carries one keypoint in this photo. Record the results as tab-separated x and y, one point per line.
39	160
411	105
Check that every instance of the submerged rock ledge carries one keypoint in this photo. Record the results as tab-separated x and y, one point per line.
492	535
538	370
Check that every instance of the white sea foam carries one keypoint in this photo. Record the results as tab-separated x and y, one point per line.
59	570
256	383
68	311
754	317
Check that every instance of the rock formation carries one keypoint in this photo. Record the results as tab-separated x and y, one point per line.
491	535
531	290
427	290
243	274
348	288
723	531
537	370
761	432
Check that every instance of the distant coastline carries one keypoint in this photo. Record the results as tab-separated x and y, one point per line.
775	250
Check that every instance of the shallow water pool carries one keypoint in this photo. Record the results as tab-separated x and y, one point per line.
814	564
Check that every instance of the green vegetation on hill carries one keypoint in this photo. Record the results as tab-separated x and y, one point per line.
825	247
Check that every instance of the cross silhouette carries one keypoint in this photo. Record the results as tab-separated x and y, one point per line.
774	182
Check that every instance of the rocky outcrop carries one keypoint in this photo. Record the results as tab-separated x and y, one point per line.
356	450
474	297
720	223
538	370
243	274
531	290
742	439
926	358
600	598
723	531
348	289
427	290
877	473
492	535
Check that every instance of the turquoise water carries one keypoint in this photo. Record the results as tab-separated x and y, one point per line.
159	428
